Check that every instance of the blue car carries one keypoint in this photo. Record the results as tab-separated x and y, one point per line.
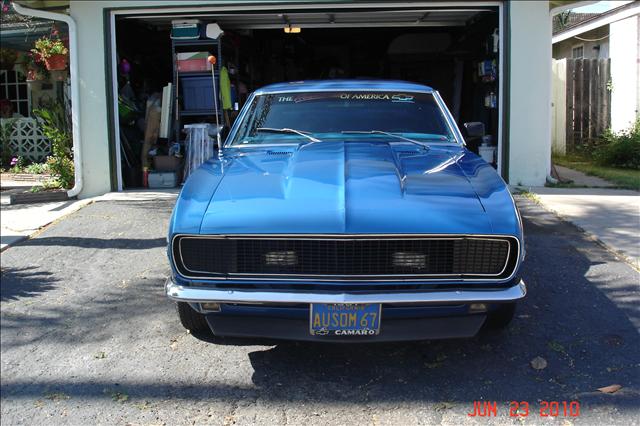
345	211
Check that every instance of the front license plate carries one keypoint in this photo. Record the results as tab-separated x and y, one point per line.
345	319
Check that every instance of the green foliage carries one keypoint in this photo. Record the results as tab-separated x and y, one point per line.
6	127
621	149
55	126
17	164
37	168
62	169
48	46
624	178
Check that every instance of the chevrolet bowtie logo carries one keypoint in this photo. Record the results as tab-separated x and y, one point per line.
321	332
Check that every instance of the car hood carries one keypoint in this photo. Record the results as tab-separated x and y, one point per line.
342	187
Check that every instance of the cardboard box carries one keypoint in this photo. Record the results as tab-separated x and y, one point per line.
166	163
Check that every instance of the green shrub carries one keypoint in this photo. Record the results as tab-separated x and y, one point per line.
55	126
37	168
61	168
6	127
621	149
17	165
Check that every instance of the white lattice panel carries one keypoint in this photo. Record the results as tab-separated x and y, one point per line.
27	140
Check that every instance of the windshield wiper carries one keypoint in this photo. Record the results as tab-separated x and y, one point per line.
287	130
382	132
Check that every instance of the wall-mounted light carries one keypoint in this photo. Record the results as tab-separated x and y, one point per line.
292	30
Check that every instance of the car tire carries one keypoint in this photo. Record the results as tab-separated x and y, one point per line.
192	320
501	317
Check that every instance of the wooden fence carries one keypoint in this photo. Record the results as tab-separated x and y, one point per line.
581	105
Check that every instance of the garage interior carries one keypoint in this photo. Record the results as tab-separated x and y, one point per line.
453	50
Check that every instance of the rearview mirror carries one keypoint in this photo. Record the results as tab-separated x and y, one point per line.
475	129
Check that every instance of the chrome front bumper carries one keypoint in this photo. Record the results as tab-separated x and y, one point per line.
180	293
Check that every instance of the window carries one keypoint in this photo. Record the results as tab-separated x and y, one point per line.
577	52
14	88
326	115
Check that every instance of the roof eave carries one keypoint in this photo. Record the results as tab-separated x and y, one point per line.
623	12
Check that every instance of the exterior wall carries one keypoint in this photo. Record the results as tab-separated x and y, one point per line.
93	98
592	49
529	105
625	55
94	134
530	93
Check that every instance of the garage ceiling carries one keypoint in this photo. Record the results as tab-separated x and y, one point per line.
356	19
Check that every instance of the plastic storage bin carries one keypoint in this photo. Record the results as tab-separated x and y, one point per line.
197	93
159	180
193	65
193	62
188	29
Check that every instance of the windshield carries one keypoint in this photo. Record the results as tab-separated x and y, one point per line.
319	116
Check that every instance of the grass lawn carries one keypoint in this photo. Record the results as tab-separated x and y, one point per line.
625	178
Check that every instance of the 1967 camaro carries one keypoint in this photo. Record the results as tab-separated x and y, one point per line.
345	211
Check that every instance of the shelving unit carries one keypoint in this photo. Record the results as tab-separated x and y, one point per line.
214	47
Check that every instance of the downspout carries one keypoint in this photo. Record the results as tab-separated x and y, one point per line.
75	88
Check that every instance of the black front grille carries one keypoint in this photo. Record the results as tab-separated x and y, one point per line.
345	258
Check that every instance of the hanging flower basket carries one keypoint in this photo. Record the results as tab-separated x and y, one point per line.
52	51
57	62
32	65
35	75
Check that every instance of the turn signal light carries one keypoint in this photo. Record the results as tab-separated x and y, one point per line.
210	307
477	307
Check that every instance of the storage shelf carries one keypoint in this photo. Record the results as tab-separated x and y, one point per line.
187	74
195	42
200	112
181	81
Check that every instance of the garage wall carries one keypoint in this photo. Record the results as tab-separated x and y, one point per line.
625	71
529	106
94	136
530	93
93	104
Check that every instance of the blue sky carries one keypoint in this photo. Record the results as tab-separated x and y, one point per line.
601	6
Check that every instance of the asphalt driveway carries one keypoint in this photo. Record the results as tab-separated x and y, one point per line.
87	337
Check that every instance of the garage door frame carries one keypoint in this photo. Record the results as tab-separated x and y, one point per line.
111	61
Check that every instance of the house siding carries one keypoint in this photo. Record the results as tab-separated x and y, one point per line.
625	54
529	109
597	49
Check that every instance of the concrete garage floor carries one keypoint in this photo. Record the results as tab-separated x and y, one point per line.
88	337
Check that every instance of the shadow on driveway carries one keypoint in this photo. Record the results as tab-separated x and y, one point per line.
98	243
580	315
18	283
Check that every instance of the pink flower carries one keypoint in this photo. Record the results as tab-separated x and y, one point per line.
14	161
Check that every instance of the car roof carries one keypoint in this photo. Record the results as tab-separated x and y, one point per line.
330	85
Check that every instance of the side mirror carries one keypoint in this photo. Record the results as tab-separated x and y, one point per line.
475	129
